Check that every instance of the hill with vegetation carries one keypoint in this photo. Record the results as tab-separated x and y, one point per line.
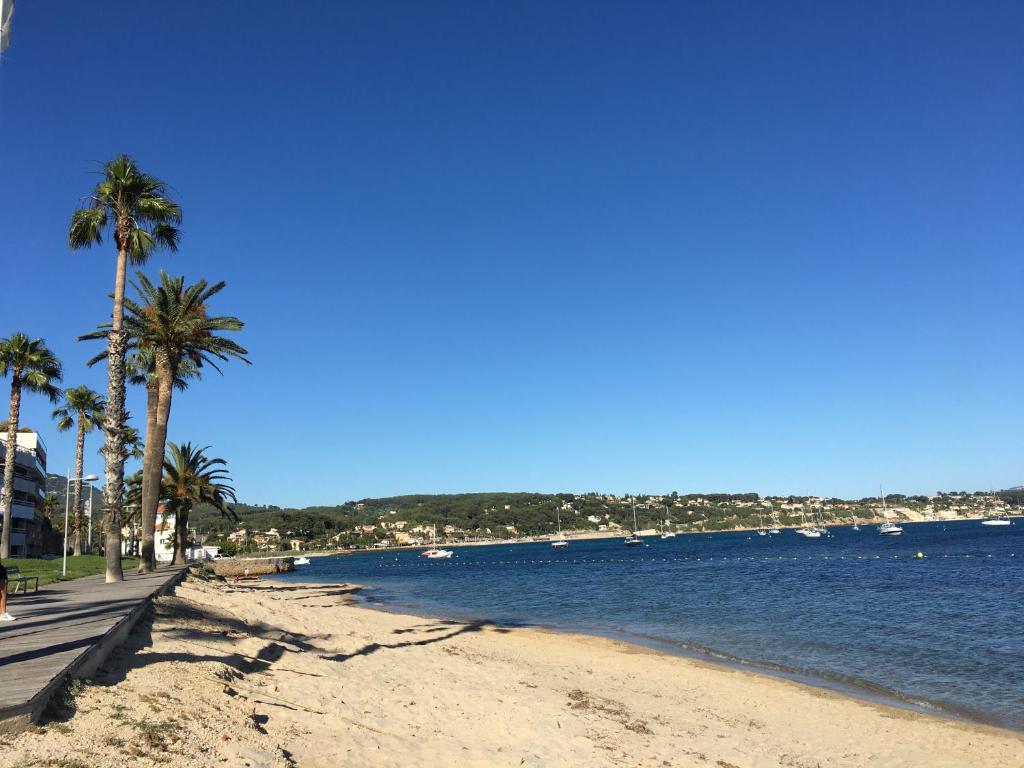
481	516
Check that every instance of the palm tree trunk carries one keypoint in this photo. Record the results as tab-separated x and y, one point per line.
152	463
9	459
165	372
113	451
76	497
180	535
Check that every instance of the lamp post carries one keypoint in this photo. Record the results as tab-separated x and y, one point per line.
67	508
88	547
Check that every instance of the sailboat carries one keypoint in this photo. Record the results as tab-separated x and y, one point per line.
667	533
887	528
760	525
808	531
434	553
559	541
634	538
855	526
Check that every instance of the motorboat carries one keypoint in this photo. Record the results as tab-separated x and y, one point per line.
301	560
997	521
813	532
889	529
559	543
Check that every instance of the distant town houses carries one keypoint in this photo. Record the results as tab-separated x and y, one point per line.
469	518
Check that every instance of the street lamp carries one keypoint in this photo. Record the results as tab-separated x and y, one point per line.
67	508
88	540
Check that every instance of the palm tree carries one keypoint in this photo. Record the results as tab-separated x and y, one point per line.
172	324
191	478
133	507
32	367
142	370
84	407
135	208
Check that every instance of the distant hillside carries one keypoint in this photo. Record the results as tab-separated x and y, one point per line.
498	515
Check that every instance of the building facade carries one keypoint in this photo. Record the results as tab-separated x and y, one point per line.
29	494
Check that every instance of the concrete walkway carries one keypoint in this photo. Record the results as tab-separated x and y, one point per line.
65	630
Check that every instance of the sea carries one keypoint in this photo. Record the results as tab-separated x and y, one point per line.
932	620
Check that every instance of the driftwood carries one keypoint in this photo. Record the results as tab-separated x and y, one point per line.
257	566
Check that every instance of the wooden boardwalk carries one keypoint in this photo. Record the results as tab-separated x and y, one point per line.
66	630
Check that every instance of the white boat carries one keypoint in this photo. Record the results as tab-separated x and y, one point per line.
997	521
634	538
559	541
810	533
666	533
301	560
774	531
887	529
434	553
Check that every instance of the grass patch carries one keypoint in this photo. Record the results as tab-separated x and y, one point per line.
49	571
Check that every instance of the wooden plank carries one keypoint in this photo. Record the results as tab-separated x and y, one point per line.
63	628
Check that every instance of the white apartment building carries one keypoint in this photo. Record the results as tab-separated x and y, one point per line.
29	493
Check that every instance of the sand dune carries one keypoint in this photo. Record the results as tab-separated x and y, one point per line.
282	675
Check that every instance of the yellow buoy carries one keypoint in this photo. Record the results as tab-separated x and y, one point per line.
920	554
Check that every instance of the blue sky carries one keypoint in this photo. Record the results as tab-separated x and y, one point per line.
551	246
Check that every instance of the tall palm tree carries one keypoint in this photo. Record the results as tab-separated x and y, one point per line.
83	407
32	367
172	323
191	478
135	208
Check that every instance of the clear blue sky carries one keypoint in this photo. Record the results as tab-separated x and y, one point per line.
551	246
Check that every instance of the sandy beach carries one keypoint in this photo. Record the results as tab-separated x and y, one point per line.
267	674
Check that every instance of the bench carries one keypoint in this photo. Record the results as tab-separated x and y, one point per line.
14	575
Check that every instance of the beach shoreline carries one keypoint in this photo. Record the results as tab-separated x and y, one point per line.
861	690
278	673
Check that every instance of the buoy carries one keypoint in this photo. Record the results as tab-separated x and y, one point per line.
920	554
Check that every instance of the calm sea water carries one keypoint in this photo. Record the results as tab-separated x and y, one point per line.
856	611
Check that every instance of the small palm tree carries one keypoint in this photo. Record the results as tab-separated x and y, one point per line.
83	407
191	478
173	325
32	367
132	508
135	208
